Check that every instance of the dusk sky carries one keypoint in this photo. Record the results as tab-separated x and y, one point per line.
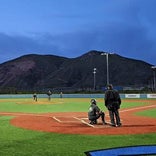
71	28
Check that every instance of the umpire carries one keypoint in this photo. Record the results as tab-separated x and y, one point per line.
113	102
94	113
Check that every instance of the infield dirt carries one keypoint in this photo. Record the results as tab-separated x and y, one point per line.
77	122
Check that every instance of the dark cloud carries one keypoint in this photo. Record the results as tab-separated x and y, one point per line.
127	40
14	46
126	27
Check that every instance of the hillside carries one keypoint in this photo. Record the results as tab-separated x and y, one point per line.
41	72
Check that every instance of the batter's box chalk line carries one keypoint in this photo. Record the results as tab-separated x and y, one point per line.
62	119
94	126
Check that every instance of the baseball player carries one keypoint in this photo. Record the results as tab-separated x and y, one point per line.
49	95
94	113
35	96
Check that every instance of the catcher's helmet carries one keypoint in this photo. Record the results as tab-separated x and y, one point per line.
93	101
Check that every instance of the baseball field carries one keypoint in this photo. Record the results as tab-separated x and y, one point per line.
59	127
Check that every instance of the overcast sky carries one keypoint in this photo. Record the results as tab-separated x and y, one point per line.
71	28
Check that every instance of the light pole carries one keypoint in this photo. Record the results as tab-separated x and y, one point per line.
154	81
107	64
94	72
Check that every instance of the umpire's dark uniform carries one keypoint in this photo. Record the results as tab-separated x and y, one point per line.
112	102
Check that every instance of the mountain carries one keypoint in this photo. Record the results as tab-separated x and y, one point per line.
41	72
25	73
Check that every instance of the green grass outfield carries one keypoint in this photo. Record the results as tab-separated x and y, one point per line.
20	142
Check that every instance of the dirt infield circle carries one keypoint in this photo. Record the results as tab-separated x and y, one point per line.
77	123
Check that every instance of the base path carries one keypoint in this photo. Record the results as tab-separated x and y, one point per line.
77	123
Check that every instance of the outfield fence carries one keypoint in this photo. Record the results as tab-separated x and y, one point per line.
142	96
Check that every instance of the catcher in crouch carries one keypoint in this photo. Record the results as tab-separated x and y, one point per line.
94	113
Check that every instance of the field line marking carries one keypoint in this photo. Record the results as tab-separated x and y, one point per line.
84	118
56	119
131	109
63	116
86	123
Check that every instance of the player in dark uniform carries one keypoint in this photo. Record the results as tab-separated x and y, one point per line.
94	113
113	102
35	96
49	95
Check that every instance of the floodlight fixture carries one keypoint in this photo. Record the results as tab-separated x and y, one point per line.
107	64
94	72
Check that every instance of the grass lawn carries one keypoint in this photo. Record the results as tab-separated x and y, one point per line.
20	142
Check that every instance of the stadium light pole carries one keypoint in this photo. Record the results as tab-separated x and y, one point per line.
94	72
154	81
107	64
